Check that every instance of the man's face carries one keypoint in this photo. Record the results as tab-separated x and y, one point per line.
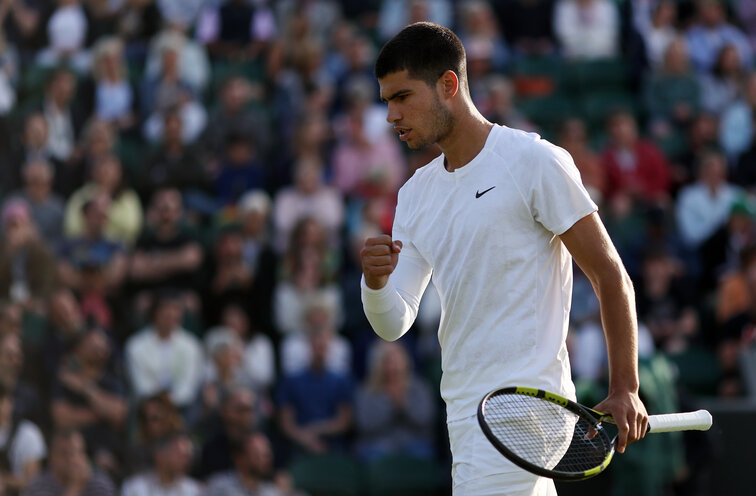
415	110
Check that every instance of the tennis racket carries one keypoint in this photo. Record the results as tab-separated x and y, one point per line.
554	437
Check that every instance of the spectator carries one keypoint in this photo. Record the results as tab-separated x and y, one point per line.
240	169
711	32
394	409
22	445
309	196
478	25
587	29
736	126
237	30
65	118
224	369
46	206
67	34
701	136
573	137
27	273
166	254
173	164
258	357
704	207
315	405
20	23
91	263
114	96
661	31
26	400
721	87
124	216
634	166
29	146
253	210
672	92
69	471
319	318
137	22
157	418
527	25
253	467
99	140
230	277
90	398
499	107
164	356
395	14
234	115
171	459
237	416
191	58
66	325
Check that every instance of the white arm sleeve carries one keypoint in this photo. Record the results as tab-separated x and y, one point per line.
392	309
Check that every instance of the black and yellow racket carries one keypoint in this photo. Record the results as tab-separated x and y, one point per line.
554	437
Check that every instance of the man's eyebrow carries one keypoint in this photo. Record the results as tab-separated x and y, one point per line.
394	95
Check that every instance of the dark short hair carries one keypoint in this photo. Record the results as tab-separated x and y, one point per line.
425	50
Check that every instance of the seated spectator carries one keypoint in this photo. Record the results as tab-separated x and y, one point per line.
258	357
66	325
191	58
92	264
666	303
240	169
21	444
309	196
163	356
394	409
98	141
701	136
237	30
89	397
253	210
587	29
319	318
26	400
168	90
67	34
672	92
234	115
46	206
166	254
27	268
573	137
721	87
315	405
498	104
114	96
156	418
252	471
238	415
710	32
28	145
736	124
172	164
124	217
661	32
309	270
224	369
69	471
478	24
171	459
136	24
527	25
634	166
704	207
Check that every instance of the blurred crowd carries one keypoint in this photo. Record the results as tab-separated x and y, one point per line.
186	185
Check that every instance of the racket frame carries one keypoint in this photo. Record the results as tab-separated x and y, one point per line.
593	417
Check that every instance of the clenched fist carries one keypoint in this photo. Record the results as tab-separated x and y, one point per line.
379	257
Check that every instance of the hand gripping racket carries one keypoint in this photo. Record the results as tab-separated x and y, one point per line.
554	437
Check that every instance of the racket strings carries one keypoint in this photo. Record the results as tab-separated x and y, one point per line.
545	434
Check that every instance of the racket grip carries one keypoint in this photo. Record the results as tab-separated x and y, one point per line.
692	421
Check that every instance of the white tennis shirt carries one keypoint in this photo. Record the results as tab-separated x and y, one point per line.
487	233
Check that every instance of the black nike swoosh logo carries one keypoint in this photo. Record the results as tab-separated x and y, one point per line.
478	194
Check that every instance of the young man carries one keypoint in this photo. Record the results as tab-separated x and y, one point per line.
495	219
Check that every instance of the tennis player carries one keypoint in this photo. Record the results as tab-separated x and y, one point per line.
496	221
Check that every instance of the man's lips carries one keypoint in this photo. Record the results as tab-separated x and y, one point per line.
403	132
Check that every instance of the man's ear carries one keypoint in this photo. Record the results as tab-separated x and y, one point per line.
449	84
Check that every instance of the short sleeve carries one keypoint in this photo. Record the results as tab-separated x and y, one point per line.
557	197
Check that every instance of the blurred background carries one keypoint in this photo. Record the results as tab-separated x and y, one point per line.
185	186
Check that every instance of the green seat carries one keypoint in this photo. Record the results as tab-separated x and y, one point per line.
536	76
596	107
327	475
402	475
548	112
595	75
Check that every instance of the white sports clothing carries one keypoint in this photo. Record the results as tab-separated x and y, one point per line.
488	234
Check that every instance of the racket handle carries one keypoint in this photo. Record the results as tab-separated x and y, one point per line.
692	421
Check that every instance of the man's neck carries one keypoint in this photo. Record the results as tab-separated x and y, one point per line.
165	477
466	140
248	481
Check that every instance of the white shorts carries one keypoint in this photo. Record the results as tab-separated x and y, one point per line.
478	469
